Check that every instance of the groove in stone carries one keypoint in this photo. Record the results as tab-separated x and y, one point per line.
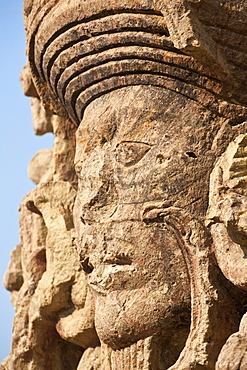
81	68
75	36
97	74
110	69
111	35
117	22
93	47
177	85
97	17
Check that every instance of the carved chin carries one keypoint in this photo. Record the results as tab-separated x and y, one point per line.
123	318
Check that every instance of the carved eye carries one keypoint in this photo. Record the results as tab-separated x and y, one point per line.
129	153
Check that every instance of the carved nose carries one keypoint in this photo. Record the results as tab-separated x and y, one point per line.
101	278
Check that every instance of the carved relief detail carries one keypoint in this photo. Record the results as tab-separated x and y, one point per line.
133	244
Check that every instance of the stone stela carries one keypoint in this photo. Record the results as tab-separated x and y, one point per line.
133	252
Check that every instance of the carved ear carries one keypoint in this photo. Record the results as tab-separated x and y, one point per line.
208	299
228	177
227	211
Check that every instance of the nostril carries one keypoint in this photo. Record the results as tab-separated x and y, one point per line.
87	266
160	158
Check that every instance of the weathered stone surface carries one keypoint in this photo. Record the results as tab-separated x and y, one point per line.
138	188
90	359
133	244
234	353
64	150
41	117
13	279
214	33
27	82
40	168
65	64
49	264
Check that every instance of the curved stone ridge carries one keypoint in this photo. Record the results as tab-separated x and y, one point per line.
54	44
94	51
104	25
103	48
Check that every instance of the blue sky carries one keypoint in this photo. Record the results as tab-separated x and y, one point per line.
18	145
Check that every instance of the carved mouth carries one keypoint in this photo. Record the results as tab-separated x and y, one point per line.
110	276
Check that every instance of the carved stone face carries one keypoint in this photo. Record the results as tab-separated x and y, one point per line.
138	158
